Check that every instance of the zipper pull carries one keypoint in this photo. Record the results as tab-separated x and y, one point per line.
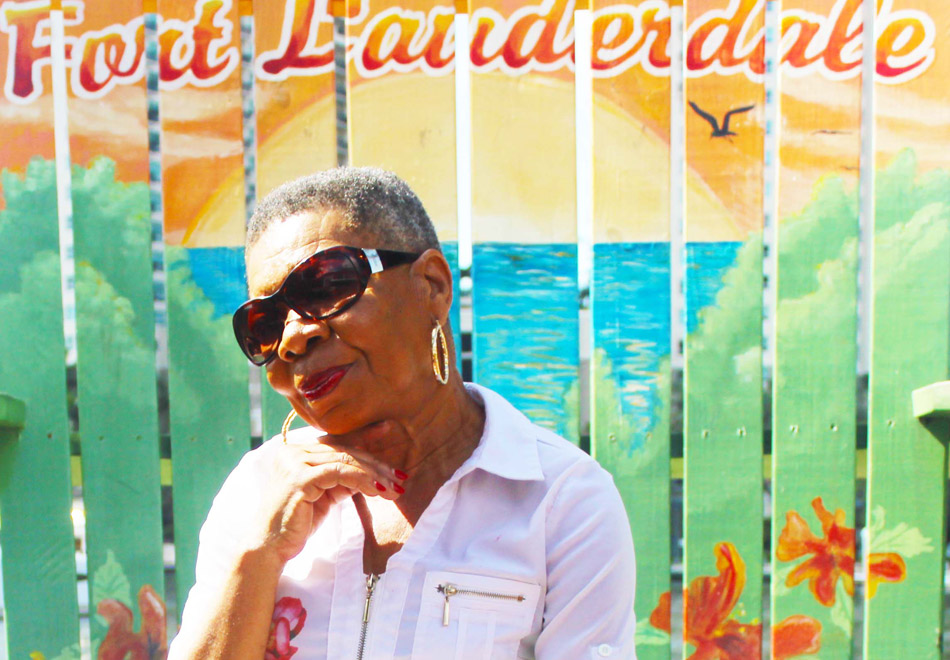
370	585
448	590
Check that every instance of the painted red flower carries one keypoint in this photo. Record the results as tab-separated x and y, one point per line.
716	636
286	623
832	555
121	642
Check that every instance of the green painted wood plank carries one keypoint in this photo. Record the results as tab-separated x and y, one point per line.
723	421
815	331
907	459
209	408
38	564
39	569
630	370
118	413
115	337
910	286
630	403
209	405
274	409
722	382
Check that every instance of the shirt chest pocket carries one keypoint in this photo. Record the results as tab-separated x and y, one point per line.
473	617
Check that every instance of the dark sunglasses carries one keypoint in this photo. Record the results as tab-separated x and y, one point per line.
319	287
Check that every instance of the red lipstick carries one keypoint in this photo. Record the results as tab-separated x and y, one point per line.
322	383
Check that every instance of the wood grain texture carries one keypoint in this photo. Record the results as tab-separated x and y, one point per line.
202	144
907	459
115	336
295	115
401	110
39	568
815	330
722	352
630	304
524	222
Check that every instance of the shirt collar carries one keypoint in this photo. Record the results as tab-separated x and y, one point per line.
508	447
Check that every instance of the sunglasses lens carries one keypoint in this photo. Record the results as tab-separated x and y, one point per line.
326	284
258	328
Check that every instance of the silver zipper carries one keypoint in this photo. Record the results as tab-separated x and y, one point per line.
371	581
448	590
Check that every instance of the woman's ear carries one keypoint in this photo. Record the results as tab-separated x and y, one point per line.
434	277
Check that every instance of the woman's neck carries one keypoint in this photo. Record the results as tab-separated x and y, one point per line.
434	443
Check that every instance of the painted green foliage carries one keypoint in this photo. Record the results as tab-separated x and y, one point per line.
209	405
117	208
640	478
816	302
813	419
723	428
912	234
30	270
40	586
909	350
115	364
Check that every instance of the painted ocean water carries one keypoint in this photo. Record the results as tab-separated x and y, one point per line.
526	326
630	301
525	305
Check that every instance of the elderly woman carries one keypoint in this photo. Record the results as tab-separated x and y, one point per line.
416	516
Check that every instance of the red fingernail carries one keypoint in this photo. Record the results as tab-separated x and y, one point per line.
400	474
399	489
381	488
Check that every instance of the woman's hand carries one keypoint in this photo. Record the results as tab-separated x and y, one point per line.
296	484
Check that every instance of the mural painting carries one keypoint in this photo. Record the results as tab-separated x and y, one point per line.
525	257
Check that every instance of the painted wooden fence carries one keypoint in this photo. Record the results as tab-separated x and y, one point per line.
651	155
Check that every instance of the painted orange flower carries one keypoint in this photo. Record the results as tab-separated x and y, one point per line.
120	642
716	636
832	555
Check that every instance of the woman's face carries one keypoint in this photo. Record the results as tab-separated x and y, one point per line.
368	364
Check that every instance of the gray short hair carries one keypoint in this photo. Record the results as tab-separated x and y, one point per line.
370	199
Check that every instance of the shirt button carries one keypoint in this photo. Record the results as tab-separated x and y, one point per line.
604	650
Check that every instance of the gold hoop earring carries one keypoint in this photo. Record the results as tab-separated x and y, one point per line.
440	367
286	427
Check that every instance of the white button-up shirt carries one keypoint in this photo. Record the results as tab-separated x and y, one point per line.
525	552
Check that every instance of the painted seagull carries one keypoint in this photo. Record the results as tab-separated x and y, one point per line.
717	131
